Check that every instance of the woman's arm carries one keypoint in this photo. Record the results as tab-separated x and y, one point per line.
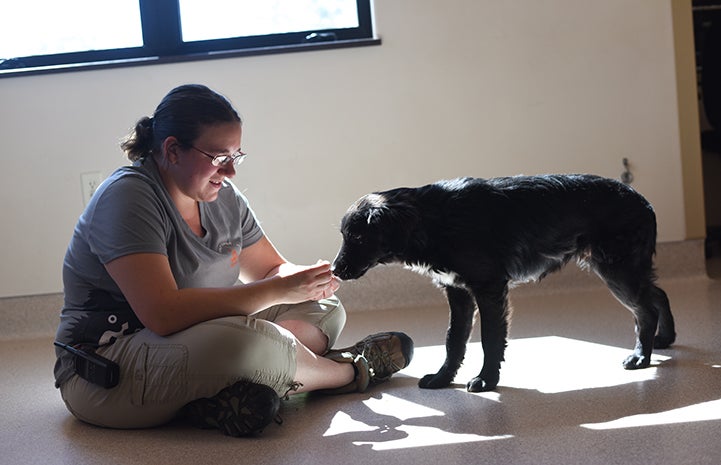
260	260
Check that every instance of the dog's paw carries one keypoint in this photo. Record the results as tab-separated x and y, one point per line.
636	361
435	381
478	384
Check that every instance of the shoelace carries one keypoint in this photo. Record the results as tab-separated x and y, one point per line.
294	386
374	355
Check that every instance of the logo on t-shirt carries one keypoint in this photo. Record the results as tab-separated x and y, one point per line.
233	249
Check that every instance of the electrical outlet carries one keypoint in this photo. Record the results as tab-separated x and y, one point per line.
89	183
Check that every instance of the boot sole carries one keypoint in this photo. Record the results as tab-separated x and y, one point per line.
242	409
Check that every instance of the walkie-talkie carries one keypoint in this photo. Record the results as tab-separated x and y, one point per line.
92	367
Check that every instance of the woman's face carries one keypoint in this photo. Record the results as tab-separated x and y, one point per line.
193	172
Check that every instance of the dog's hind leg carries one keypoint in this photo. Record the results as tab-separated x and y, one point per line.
636	289
666	334
461	306
495	312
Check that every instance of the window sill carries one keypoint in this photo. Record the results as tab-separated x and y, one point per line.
154	60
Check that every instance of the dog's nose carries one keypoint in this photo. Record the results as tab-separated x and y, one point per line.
339	269
335	269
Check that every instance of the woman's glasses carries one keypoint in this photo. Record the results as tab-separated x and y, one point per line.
224	160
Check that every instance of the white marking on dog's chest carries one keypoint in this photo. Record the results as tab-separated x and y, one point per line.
446	278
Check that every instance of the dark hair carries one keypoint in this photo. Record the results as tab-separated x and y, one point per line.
182	113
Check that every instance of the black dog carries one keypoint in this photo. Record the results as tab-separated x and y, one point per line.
477	237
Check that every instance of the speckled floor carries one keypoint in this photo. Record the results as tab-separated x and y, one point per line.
563	399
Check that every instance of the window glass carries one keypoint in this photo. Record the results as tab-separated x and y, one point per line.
220	19
48	36
46	27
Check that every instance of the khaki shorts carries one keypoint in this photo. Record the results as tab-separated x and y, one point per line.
159	375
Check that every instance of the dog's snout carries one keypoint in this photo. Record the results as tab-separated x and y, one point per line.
337	262
335	270
339	269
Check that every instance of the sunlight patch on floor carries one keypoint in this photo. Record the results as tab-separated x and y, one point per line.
556	364
387	405
425	436
705	411
549	364
400	408
343	423
391	409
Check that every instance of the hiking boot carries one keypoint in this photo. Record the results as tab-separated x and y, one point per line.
375	359
241	409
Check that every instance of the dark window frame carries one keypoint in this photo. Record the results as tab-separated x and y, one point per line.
163	44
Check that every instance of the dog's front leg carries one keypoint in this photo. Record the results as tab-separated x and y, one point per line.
462	306
495	312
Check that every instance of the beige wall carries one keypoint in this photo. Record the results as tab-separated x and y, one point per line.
461	87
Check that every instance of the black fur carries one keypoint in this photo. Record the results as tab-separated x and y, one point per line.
477	237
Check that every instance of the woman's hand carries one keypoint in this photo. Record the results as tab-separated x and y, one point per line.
304	283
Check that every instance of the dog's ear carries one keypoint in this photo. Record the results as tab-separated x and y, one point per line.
399	218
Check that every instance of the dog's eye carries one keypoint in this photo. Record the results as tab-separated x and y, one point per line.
355	238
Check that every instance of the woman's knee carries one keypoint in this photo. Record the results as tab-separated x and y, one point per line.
334	321
307	334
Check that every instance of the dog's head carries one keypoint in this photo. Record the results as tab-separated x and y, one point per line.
376	229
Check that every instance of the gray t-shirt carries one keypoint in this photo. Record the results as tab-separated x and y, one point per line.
131	212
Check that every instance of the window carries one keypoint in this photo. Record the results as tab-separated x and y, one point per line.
57	35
